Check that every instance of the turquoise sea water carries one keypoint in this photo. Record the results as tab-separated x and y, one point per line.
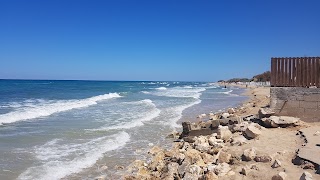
68	129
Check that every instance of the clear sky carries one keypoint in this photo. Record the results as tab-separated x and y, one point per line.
153	39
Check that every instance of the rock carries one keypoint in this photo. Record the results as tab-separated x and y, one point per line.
213	117
254	167
225	115
207	158
211	167
276	164
174	135
211	176
102	177
135	166
194	157
244	171
195	169
249	154
283	121
317	133
231	173
224	157
231	111
280	176
252	132
239	127
188	139
201	143
224	133
129	177
263	158
238	141
306	176
183	167
175	156
172	168
189	176
154	150
265	113
222	169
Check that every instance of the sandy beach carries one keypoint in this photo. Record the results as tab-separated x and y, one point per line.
247	150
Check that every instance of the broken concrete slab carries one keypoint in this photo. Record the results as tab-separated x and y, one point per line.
311	150
265	112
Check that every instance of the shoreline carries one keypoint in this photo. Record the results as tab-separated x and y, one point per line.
166	163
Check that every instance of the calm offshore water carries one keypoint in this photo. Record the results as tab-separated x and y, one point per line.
68	129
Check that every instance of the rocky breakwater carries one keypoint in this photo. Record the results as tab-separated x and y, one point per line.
212	150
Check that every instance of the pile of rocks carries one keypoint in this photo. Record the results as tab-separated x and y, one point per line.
203	149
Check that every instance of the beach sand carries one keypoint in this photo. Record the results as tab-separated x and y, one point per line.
273	144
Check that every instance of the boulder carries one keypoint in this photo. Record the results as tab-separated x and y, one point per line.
263	158
238	141
276	164
207	158
265	112
154	150
283	121
231	110
189	176
213	117
224	133
239	127
210	176
280	176
183	167
194	157
249	154
224	157
244	171
306	176
252	132
225	115
195	169
222	169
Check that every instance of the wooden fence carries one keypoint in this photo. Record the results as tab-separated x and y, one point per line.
295	72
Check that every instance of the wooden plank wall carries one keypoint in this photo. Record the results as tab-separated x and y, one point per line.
295	72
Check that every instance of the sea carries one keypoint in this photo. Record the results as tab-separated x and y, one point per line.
54	129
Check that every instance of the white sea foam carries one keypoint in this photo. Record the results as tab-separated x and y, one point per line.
148	112
180	92
59	160
162	88
40	108
175	113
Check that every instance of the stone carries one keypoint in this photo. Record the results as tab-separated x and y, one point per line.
213	117
154	150
252	132
283	121
207	158
231	173
239	127
194	157
174	135
103	168
189	176
211	167
276	164
263	158
195	169
222	169
244	171
238	141
224	133
317	133
231	111
280	176
225	115
224	157
254	167
306	176
265	112
182	168
211	176
249	154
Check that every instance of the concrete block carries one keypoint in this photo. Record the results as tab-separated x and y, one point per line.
312	97
309	105
295	112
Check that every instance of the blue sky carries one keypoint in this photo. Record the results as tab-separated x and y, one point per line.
153	39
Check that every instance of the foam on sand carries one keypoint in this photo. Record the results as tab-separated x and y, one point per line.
48	107
57	159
